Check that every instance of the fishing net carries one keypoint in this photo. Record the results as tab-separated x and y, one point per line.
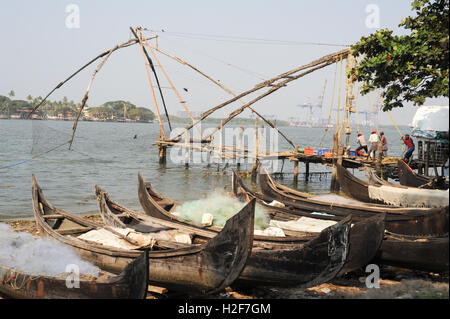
39	257
221	207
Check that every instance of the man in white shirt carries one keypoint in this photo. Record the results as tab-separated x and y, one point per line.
362	143
373	140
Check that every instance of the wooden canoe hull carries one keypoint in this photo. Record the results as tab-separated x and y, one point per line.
407	221
415	252
408	177
427	254
319	261
202	268
131	283
304	263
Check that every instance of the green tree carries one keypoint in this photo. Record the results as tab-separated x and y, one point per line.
11	93
410	67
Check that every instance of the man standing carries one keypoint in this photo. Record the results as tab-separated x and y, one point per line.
362	143
410	145
384	143
373	140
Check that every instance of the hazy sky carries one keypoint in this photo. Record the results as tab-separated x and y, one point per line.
240	43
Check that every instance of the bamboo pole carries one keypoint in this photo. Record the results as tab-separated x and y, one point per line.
274	88
255	163
240	145
296	166
171	84
122	45
86	95
225	89
334	188
150	62
220	146
186	145
319	63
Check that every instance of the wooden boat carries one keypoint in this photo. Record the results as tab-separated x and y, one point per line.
205	268
416	252
408	177
130	284
390	195
364	240
364	237
374	179
399	220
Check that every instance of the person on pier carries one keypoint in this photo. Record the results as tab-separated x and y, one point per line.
384	143
373	140
410	145
362	143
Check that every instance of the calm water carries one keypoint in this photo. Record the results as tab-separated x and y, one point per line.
107	154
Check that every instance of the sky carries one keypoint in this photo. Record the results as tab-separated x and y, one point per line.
240	43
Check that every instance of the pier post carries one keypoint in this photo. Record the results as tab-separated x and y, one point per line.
306	171
186	149
219	160
334	188
255	163
296	166
427	157
240	147
162	152
378	166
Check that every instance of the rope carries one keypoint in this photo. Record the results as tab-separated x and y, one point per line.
339	104
331	106
36	156
203	36
173	87
372	112
397	128
152	90
356	107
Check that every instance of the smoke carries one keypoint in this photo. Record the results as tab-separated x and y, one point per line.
39	257
222	207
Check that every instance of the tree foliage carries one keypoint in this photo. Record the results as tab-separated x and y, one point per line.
410	67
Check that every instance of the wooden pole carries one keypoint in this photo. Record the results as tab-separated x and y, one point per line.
255	163
420	156
433	157
220	146
122	45
288	76
162	152
150	62
186	145
240	146
380	158
306	171
427	157
334	188
296	166
222	87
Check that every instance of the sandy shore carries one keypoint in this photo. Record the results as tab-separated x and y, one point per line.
395	283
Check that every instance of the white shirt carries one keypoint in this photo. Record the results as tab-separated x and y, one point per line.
373	138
